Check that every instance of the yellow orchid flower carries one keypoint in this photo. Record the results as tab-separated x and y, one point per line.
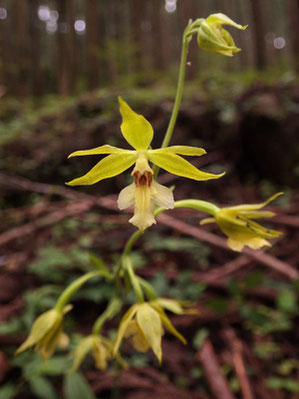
143	323
212	37
144	193
46	333
101	348
236	223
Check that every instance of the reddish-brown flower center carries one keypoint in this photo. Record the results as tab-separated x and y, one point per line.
144	179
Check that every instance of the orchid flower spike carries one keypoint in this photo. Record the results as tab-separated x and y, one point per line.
144	193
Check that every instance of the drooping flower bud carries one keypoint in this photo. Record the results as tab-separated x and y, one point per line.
212	37
46	333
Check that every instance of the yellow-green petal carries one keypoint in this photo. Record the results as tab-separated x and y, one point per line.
110	166
123	326
81	350
150	324
135	128
168	325
41	327
251	207
103	149
180	149
222	19
179	166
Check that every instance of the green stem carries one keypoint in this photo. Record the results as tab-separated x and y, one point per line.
73	288
133	279
150	292
178	96
112	309
131	242
199	205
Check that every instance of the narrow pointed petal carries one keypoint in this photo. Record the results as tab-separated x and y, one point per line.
257	214
126	197
249	207
179	166
110	166
220	18
168	325
135	128
81	351
180	149
103	149
150	324
162	196
122	328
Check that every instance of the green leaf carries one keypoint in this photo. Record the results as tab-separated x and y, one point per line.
283	383
103	149
98	263
8	391
135	128
54	366
179	166
287	301
110	166
75	386
42	388
200	337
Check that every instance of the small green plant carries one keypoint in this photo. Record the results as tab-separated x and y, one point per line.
145	320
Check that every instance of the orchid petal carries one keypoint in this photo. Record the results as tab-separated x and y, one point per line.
179	166
180	149
150	324
110	166
103	149
222	19
135	128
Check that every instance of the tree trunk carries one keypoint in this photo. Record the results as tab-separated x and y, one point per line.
62	61
92	39
34	50
293	11
258	34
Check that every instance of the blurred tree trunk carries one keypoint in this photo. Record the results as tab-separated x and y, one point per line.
136	11
71	43
22	47
63	62
34	51
156	50
5	47
293	11
92	38
258	34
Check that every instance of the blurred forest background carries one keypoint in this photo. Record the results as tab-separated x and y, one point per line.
68	46
62	65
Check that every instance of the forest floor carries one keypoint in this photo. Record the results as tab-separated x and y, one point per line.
244	342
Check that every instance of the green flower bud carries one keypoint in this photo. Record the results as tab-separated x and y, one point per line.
46	333
212	37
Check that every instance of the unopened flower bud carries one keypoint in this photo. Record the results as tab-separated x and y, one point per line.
212	37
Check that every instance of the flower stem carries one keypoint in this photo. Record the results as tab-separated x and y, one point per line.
131	242
178	96
133	278
73	288
199	205
112	309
